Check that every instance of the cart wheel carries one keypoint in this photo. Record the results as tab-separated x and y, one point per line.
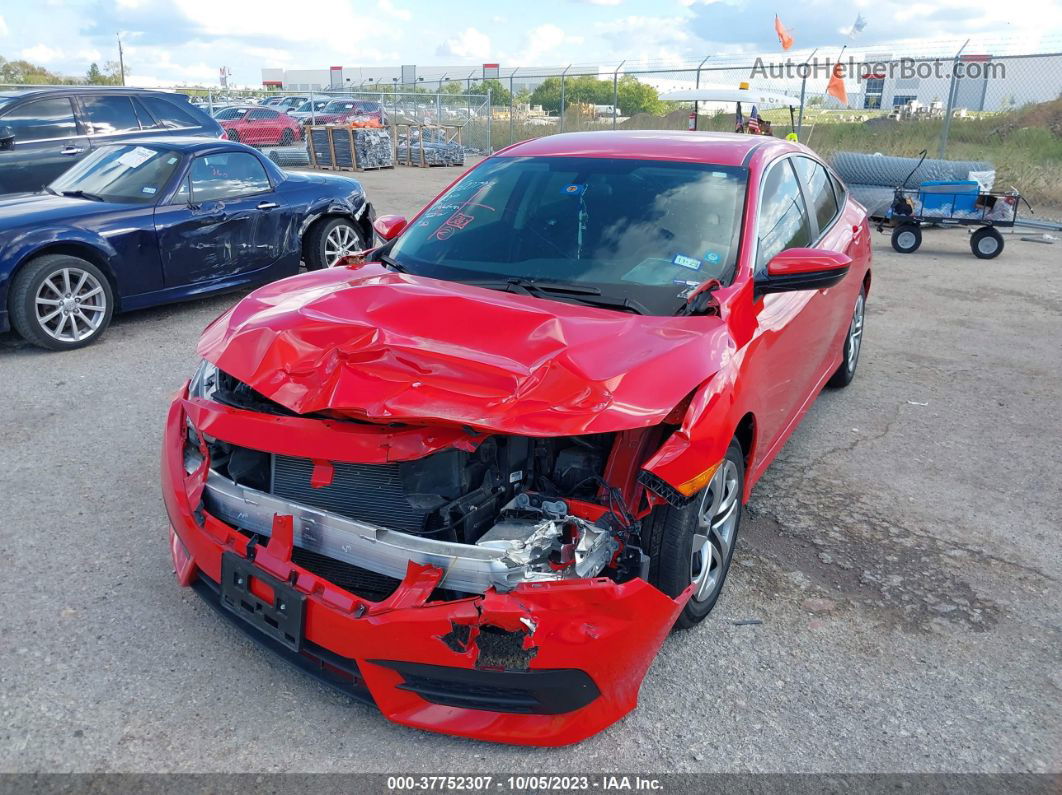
986	243
906	238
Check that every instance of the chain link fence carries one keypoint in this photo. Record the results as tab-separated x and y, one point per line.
1003	109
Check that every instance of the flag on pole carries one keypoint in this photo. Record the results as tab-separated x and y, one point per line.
857	26
835	88
783	35
754	121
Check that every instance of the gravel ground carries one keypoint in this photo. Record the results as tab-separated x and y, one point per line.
902	555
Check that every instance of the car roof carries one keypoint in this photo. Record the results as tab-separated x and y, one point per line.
76	89
181	143
724	149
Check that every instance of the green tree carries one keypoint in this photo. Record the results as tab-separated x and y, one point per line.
110	75
23	72
634	96
499	94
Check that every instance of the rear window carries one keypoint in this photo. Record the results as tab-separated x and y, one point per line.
167	113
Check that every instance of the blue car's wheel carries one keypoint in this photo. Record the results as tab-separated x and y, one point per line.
61	302
331	240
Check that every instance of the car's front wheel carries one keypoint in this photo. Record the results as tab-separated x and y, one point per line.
61	302
286	138
853	343
232	134
694	544
332	240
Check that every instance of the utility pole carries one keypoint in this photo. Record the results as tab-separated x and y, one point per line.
121	57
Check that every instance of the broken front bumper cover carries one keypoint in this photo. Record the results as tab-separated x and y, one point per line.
466	567
573	652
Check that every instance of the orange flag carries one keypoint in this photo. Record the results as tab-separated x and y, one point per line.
835	88
783	35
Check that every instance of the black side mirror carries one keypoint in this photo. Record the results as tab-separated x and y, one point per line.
7	137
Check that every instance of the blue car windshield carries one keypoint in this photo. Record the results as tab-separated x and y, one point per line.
129	173
645	230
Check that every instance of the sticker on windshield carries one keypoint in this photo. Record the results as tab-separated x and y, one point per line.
136	157
687	262
148	189
577	189
712	257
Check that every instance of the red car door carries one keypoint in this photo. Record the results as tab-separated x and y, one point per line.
794	329
841	227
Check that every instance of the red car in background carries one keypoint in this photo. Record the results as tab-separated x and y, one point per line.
477	475
340	111
258	126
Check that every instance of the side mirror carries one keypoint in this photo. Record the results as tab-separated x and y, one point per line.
7	138
389	226
803	269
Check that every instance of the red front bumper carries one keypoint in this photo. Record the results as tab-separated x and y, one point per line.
594	628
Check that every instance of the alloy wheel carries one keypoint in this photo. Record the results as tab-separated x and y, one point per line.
855	334
341	242
70	305
717	521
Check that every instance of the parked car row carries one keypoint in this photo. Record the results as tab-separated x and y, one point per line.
121	199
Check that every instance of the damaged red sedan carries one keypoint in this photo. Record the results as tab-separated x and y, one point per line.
477	475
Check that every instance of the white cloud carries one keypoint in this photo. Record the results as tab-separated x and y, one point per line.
543	40
389	8
3	27
41	54
470	43
601	2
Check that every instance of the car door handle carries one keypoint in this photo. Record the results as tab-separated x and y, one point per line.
72	150
267	205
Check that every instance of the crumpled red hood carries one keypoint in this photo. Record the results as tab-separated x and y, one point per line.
378	345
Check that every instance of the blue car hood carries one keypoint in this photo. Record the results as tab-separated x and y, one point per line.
21	209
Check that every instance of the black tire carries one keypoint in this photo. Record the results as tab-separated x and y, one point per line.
317	256
986	243
83	324
854	338
232	135
286	137
669	537
906	238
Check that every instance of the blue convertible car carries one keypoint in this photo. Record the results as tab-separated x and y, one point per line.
155	220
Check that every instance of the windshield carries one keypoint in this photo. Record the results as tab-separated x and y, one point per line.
337	106
126	174
231	113
647	230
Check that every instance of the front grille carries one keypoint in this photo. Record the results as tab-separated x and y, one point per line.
371	493
360	582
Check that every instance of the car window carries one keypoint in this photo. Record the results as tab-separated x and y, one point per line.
819	189
783	218
839	190
109	115
127	173
168	114
41	119
258	115
227	176
227	114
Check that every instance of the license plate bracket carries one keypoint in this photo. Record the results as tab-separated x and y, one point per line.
280	619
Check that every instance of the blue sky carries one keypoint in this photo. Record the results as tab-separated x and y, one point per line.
171	42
